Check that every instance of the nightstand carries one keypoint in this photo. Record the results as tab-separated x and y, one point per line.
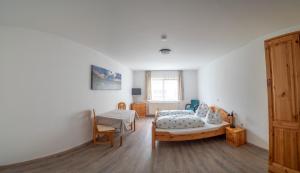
235	136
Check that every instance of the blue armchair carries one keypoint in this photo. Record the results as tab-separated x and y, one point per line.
192	106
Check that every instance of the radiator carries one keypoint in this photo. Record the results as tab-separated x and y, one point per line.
153	106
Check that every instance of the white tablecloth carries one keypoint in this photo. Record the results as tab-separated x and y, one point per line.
119	119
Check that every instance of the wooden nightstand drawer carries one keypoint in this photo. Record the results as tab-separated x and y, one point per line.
235	136
229	137
140	108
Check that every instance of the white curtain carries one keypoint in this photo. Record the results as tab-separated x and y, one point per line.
180	85
148	85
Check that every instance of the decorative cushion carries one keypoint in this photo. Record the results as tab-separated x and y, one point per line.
179	121
202	110
213	117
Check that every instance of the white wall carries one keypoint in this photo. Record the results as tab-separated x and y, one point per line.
139	82
45	95
190	84
237	82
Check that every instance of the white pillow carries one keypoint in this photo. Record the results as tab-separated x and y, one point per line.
213	117
202	110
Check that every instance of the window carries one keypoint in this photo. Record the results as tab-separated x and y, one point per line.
164	86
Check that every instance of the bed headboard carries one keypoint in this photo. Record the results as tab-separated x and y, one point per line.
223	114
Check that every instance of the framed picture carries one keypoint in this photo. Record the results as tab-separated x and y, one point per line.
103	79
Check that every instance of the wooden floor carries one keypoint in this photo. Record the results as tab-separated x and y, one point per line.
206	155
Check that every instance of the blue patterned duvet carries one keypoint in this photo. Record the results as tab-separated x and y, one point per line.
178	119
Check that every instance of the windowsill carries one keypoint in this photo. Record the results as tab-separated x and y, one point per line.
164	101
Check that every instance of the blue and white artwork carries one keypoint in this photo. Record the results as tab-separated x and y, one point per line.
103	79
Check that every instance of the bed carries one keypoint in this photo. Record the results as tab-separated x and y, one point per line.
184	134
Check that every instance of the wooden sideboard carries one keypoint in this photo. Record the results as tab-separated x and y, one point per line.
140	108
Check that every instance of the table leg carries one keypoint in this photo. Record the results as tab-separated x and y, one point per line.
121	140
112	139
134	125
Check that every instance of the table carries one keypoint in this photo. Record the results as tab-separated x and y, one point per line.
119	119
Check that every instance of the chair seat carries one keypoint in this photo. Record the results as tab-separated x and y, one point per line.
103	128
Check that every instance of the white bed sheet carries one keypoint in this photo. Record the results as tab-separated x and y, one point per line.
205	128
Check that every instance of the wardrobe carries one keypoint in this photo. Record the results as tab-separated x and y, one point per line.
283	81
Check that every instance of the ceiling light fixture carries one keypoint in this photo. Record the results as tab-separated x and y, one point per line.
165	51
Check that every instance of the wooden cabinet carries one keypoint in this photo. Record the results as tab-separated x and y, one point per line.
140	108
283	80
235	136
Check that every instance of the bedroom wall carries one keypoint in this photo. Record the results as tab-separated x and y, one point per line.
45	96
139	82
237	81
190	80
190	83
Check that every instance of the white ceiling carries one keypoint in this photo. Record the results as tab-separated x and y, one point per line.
129	30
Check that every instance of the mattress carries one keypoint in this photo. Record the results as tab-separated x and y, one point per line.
205	128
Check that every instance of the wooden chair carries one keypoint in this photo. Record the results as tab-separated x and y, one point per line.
122	106
102	130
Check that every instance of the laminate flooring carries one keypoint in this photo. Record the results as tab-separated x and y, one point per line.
210	155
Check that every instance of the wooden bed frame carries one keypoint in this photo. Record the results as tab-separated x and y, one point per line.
166	136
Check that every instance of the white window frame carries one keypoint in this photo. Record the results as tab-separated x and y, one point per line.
163	91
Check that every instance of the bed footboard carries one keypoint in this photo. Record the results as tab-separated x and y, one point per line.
166	136
154	129
153	134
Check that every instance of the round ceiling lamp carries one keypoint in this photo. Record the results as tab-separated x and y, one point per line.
165	51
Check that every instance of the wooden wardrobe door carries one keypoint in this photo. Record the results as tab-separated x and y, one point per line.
283	57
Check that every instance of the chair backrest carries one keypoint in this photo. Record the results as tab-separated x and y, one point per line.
94	118
122	106
194	102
